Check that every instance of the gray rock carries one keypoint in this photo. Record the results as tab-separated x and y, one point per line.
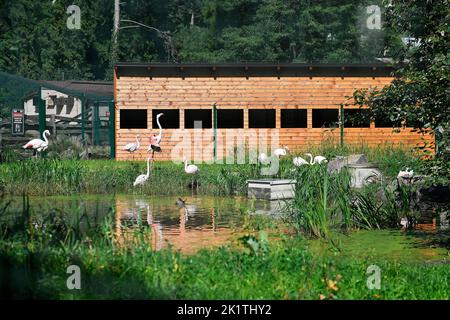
336	164
357	159
363	174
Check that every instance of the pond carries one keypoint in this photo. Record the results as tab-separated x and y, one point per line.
187	224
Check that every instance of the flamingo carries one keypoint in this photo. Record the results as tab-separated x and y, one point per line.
191	169
38	145
407	174
317	159
299	161
281	152
263	158
133	146
140	180
155	140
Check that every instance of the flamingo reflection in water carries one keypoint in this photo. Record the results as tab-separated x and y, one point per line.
157	234
132	216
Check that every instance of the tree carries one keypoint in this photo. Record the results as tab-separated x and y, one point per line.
420	94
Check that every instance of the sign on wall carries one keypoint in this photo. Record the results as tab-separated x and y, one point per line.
18	122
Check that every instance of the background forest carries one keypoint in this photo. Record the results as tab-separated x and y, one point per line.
36	43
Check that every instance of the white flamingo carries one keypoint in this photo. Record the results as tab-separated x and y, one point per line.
317	159
133	146
299	161
38	145
191	169
407	174
263	158
281	152
156	140
140	180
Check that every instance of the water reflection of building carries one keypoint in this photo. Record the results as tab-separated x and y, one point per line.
130	215
194	228
274	207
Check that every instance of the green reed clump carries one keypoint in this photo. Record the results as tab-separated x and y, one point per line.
325	202
315	208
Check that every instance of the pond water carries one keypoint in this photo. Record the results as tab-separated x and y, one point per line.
206	222
199	222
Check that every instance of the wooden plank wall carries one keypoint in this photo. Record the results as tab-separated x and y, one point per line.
242	93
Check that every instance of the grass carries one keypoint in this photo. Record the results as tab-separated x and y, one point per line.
285	270
54	176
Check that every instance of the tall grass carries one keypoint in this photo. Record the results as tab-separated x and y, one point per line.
325	202
52	176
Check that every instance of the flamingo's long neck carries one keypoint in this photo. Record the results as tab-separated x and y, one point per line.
148	167
44	135
138	142
185	165
311	159
160	128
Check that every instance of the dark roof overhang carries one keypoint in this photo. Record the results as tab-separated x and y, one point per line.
252	70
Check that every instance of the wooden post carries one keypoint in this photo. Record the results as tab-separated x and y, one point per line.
53	121
112	125
341	113
83	102
42	112
215	130
95	126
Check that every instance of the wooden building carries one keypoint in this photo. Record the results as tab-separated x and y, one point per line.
295	103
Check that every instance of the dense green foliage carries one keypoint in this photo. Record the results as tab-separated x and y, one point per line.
420	96
36	43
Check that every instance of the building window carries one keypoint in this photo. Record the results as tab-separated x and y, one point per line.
230	118
193	115
133	118
385	122
261	118
294	118
325	118
356	118
170	119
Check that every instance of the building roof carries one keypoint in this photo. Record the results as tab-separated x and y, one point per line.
91	89
252	69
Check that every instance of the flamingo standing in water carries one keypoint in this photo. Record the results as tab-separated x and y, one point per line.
38	145
155	140
133	146
140	180
191	169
